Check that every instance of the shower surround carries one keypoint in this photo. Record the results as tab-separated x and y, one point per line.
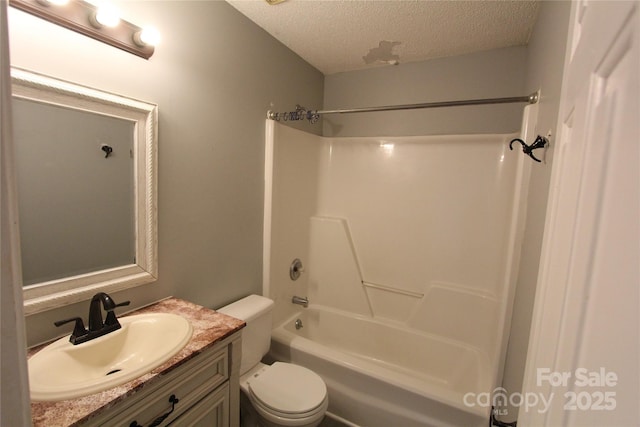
410	248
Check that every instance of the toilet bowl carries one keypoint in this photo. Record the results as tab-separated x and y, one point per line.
284	394
281	394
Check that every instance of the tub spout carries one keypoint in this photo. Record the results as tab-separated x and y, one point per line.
303	301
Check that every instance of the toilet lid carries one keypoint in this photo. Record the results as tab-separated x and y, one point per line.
288	388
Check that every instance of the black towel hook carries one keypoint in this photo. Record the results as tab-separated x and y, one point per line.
540	142
107	149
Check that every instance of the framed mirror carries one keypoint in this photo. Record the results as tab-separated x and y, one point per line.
86	165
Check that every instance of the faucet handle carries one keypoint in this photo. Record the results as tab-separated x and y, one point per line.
111	319
78	330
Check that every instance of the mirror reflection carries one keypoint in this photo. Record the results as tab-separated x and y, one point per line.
75	190
86	165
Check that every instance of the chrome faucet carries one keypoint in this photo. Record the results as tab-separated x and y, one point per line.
303	301
97	327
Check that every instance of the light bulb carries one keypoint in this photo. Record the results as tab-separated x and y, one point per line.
105	15
148	36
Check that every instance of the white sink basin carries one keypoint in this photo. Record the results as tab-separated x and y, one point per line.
63	371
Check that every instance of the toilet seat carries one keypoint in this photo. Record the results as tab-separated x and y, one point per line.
288	391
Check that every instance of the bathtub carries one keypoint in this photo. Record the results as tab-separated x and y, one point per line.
381	374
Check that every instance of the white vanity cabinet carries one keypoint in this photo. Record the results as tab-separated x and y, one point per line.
206	388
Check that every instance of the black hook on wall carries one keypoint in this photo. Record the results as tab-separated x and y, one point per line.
540	142
107	149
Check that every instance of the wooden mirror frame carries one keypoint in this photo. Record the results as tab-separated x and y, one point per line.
56	293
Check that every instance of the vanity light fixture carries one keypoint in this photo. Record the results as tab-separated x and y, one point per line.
98	22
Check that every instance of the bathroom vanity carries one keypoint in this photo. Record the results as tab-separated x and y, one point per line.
197	386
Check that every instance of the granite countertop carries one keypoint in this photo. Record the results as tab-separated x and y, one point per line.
209	327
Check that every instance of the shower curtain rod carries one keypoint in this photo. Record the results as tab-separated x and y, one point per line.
302	113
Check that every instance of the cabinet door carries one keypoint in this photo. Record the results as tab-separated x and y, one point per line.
211	411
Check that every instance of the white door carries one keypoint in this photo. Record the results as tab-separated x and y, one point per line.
583	360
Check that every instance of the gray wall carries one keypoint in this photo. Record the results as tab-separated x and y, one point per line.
214	76
545	61
491	74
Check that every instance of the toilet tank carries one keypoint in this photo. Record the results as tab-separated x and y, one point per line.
255	310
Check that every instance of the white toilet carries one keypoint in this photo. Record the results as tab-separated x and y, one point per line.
282	394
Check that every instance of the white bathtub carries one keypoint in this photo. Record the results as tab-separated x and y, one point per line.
383	375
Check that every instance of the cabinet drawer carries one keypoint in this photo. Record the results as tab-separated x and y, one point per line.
211	411
188	383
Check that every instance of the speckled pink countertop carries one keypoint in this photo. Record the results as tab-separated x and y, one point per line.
209	327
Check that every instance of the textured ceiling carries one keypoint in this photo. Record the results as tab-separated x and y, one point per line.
345	35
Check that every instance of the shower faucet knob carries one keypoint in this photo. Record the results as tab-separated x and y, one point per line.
296	269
